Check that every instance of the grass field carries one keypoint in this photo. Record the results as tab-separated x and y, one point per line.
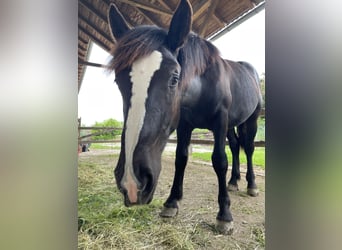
258	156
103	146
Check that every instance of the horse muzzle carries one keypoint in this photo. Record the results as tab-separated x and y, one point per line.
140	198
138	186
135	194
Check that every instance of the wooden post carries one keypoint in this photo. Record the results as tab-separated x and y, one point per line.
79	148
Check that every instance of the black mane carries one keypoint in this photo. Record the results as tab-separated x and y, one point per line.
196	56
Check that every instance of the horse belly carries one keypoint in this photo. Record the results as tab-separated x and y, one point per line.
241	109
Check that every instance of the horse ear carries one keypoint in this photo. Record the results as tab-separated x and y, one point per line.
117	23
180	25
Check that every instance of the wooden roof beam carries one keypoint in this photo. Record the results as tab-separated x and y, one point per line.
82	52
151	20
219	19
92	37
90	8
102	17
147	6
210	13
92	26
83	40
199	8
166	5
254	2
82	62
82	45
238	21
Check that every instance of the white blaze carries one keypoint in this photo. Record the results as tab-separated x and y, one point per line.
141	75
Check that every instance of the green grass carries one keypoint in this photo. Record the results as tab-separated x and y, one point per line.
259	236
103	146
260	136
258	156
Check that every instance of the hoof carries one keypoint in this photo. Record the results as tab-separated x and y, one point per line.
169	212
252	192
224	227
232	187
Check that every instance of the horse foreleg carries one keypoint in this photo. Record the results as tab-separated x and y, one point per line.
219	159
171	205
235	149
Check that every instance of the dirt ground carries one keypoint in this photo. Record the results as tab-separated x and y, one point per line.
200	202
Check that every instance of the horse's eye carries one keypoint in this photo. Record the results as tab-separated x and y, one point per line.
174	80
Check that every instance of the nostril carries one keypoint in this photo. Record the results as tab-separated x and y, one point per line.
147	183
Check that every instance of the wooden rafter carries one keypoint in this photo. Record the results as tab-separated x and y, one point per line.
82	40
166	5
199	8
93	27
218	20
82	45
92	37
238	21
82	62
211	10
150	19
148	6
95	12
82	53
82	50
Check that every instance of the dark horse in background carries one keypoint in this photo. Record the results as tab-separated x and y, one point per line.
176	80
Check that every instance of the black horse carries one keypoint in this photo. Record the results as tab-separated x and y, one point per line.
175	79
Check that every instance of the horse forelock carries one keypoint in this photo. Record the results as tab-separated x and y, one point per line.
137	43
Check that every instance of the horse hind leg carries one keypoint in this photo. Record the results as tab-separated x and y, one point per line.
247	132
235	149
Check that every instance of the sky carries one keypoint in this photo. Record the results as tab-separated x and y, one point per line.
99	98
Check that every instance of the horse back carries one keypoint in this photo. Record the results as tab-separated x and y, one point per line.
245	90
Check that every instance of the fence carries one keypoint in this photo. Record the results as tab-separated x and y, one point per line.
195	139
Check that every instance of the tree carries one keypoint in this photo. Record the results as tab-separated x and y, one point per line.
110	134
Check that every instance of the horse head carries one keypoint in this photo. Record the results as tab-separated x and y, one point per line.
148	76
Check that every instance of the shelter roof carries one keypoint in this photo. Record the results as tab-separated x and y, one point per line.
210	19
